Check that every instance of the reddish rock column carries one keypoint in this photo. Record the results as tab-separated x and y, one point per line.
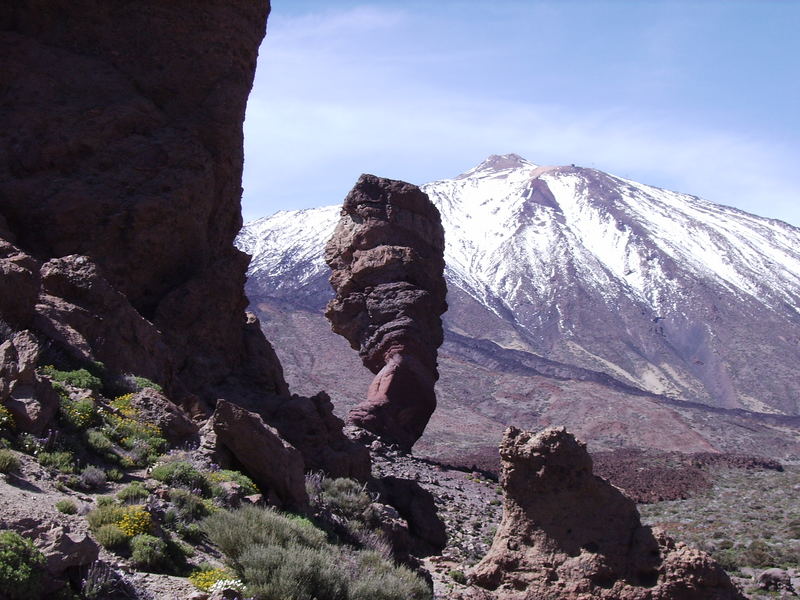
387	256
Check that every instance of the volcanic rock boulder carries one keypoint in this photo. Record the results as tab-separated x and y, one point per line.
275	465
120	181
387	260
567	535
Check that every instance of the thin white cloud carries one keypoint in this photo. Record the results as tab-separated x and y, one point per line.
332	101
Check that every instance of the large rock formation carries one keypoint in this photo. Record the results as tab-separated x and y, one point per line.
387	259
120	181
569	535
122	142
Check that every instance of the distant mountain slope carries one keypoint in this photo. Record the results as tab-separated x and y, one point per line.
590	277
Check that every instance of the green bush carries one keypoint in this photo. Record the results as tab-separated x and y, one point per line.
92	478
293	572
189	506
21	567
143	382
191	532
280	556
105	501
458	576
135	493
149	552
62	460
80	378
9	462
345	497
223	475
104	515
110	536
233	531
98	441
77	414
182	474
379	579
68	507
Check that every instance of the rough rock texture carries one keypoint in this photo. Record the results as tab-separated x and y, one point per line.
91	321
567	534
387	260
153	407
308	423
122	142
275	466
120	182
63	550
427	534
30	398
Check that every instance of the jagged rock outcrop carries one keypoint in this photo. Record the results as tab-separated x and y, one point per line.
122	142
567	534
120	182
387	260
275	465
29	398
152	406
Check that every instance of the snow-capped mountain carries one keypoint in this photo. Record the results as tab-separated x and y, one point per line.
663	292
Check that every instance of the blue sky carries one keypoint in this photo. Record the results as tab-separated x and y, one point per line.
700	97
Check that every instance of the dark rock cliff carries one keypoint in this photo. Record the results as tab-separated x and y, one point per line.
120	182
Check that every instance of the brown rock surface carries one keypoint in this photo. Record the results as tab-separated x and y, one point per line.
122	142
153	407
91	321
387	260
275	465
567	534
30	398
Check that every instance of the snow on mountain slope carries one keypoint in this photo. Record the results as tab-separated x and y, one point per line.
664	291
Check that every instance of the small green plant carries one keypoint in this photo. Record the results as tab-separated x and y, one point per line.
110	536
345	497
6	419
92	478
149	552
77	414
182	474
223	475
81	378
21	567
68	507
63	460
9	462
98	441
458	576
189	506
105	501
103	515
143	383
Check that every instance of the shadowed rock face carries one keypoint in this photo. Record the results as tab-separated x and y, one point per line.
567	534
120	182
387	260
122	141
